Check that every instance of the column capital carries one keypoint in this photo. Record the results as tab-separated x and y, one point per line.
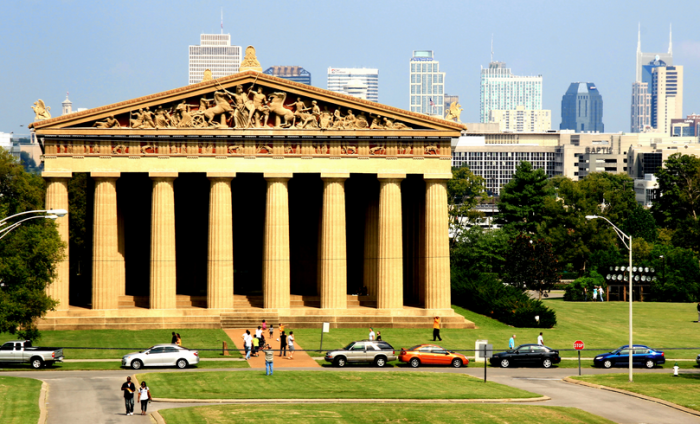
391	175
282	176
163	174
105	174
57	174
222	175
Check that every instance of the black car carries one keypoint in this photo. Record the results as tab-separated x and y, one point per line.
527	354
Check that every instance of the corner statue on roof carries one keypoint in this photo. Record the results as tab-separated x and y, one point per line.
41	112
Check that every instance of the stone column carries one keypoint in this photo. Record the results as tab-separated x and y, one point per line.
163	267
220	256
276	242
390	263
105	243
57	198
437	252
370	271
121	252
334	271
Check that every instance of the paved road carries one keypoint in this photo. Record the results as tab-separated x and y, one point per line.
88	397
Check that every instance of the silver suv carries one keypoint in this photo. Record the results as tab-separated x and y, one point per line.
363	351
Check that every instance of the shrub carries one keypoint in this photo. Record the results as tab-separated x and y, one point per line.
485	294
574	291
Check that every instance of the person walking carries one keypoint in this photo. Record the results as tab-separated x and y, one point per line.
269	359
595	293
247	343
290	344
436	329
272	330
511	342
540	339
264	325
173	340
379	336
371	334
179	339
281	327
601	293
283	344
255	342
144	397
129	388
698	312
585	295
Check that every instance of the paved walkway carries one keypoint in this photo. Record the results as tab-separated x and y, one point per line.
301	359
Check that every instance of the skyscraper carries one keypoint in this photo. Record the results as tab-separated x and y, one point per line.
640	118
582	108
427	84
291	73
358	80
501	90
666	97
215	53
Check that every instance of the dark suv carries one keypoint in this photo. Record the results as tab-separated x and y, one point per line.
363	351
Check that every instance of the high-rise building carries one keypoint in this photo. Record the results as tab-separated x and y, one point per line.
291	73
582	108
666	97
688	127
215	53
501	90
641	102
338	79
427	84
522	120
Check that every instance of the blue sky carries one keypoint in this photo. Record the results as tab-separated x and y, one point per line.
108	51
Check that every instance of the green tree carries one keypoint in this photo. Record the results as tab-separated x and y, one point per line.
480	251
678	204
531	265
521	200
28	255
640	223
27	161
464	191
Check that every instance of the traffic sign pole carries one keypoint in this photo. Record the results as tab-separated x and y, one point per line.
579	362
578	345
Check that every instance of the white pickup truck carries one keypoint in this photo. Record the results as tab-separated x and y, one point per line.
21	351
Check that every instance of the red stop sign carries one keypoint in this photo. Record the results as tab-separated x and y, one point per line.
578	345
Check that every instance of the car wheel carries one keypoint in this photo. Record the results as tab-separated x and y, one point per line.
340	362
37	363
181	363
457	363
547	363
505	363
415	362
136	364
608	363
649	364
380	361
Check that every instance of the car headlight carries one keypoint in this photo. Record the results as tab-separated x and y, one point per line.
598	357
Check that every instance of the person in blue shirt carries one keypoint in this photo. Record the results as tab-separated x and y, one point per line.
511	342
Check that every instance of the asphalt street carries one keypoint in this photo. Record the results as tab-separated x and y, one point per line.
88	397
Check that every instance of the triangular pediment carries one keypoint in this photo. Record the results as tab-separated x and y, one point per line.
247	101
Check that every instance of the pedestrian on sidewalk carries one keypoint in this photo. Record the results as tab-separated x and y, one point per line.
595	293
371	334
283	343
144	397
511	342
179	339
264	325
601	292
247	343
379	336
436	329
271	330
129	388
281	327
290	343
269	359
256	343
540	339
173	340
258	332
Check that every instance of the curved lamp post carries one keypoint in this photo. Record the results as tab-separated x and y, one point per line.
50	214
627	241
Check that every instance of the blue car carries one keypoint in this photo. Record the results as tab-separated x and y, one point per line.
642	355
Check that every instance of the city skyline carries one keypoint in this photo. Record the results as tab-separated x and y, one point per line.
49	62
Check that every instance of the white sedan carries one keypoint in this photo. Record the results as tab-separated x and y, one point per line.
167	355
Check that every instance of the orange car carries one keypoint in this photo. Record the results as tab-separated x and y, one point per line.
428	354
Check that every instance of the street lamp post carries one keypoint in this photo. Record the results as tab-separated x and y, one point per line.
627	241
663	258
50	214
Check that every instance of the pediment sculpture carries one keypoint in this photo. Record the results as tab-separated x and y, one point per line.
248	107
41	111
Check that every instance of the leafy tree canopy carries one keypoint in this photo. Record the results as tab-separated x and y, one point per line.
465	190
521	200
531	265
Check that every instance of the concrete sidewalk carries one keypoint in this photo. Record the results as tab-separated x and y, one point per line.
301	359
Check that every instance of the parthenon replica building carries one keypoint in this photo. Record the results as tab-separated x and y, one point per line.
252	197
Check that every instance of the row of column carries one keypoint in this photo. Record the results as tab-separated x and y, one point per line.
383	241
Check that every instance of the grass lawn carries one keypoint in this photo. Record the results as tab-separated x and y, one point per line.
112	366
326	385
20	400
601	326
380	413
683	390
130	341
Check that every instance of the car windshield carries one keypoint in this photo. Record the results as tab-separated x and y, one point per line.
414	347
348	346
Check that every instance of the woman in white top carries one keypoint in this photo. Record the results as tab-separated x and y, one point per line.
290	345
144	397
